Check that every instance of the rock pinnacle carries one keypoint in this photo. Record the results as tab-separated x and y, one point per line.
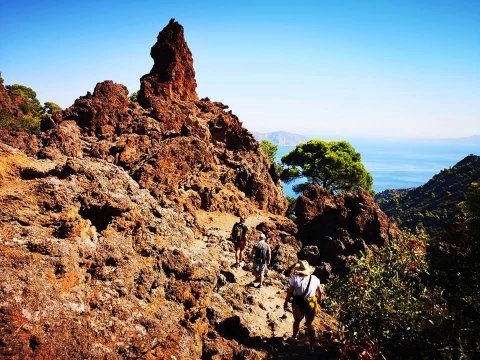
172	75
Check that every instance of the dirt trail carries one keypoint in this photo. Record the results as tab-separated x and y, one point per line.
262	323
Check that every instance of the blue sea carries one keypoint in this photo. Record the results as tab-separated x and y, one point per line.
400	164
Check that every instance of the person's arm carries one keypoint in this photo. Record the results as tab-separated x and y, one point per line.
269	255
288	296
252	252
319	292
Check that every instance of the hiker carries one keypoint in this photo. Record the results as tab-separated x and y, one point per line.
261	254
239	233
304	289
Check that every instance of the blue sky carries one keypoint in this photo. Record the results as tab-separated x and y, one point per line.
329	68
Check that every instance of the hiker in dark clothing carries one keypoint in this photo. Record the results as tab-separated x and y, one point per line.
262	255
239	238
305	291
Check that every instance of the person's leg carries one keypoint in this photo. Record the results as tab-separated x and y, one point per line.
237	254
255	272
242	250
309	317
261	274
297	317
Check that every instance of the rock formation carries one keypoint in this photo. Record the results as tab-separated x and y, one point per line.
102	251
190	154
334	229
114	228
172	75
12	107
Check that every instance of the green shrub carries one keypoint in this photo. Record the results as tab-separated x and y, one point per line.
134	96
387	299
270	150
28	123
32	111
291	208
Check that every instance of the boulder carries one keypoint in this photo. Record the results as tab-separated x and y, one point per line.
340	226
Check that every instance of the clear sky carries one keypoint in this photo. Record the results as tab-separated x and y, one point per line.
330	68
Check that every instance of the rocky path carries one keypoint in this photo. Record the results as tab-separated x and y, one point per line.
260	320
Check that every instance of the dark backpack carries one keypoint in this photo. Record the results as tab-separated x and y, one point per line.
260	256
237	233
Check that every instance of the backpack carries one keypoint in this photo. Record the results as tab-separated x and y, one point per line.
304	302
260	256
237	233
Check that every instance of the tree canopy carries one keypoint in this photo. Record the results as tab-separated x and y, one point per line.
32	106
334	165
49	108
270	150
33	111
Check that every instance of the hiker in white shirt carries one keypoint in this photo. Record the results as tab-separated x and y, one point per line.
305	292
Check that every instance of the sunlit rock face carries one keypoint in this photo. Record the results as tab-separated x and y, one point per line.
172	75
101	252
335	229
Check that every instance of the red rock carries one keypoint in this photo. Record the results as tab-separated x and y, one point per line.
341	226
104	113
190	154
172	75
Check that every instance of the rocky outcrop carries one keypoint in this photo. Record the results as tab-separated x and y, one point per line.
101	255
11	103
12	109
334	229
91	266
190	154
280	234
172	75
103	113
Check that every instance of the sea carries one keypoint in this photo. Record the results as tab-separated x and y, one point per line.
401	164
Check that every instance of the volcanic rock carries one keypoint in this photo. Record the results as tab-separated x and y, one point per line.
11	103
104	113
12	107
172	75
190	154
102	254
340	226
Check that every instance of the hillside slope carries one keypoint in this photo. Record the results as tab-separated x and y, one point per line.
432	205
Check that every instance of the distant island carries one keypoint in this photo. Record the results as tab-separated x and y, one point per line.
281	138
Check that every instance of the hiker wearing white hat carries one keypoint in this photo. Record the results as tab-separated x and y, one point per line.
262	255
304	290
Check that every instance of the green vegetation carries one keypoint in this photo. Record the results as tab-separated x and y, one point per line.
455	266
49	108
32	106
418	297
291	208
33	111
471	210
434	204
335	166
134	96
28	123
271	151
387	300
